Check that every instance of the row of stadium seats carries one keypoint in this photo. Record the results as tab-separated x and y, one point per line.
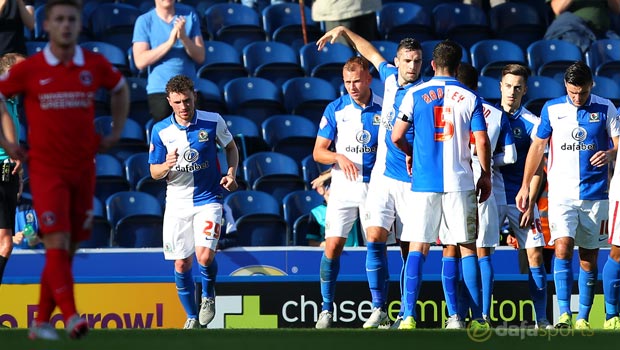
132	219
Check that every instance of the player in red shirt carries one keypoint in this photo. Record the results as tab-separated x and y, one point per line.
58	86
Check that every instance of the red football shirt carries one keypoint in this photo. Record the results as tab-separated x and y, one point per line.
59	104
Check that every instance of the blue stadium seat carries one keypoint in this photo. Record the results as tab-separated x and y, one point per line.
272	172
310	169
137	167
327	63
427	55
114	23
517	22
101	234
132	138
603	57
111	52
607	88
540	89
222	63
300	230
388	51
209	96
138	99
247	135
235	24
490	56
39	33
33	47
550	58
308	97
110	176
488	88
274	61
156	188
290	134
298	203
282	23
399	20
255	98
136	218
258	219
463	23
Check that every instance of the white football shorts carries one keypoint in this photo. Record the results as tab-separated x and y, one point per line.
386	205
187	228
531	237
583	220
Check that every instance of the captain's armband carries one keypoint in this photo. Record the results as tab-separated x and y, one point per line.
402	116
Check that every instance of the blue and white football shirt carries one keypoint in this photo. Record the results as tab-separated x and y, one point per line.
443	113
390	159
353	131
576	134
523	124
195	179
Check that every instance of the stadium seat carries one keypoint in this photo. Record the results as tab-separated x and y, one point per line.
274	61
463	23
137	167
246	134
517	22
39	33
209	96
272	172
132	138
388	51
310	169
490	56
136	218
233	23
603	57
607	88
110	176
308	97
550	58
427	55
300	230
101	234
327	63
255	98
488	88
289	134
299	203
114	23
258	219
33	47
399	20
222	63
282	23
539	90
111	52
156	188
138	99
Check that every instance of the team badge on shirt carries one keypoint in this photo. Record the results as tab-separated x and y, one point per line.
376	119
594	118
86	78
203	136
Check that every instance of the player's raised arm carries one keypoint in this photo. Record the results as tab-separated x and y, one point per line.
361	45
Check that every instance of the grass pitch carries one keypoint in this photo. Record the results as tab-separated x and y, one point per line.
298	339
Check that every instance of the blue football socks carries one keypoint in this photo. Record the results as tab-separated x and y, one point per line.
186	291
486	278
563	279
449	281
376	272
413	276
587	282
537	281
611	287
471	277
402	287
329	273
208	275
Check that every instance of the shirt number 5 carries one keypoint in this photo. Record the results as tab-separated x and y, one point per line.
444	129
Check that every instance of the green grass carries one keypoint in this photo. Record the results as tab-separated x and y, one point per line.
298	339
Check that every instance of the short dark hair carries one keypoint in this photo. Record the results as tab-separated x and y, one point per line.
409	44
179	84
467	75
354	61
51	3
516	69
448	54
578	74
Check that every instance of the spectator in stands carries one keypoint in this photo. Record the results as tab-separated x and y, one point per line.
359	16
10	177
167	40
316	220
14	16
351	124
581	22
183	151
26	219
